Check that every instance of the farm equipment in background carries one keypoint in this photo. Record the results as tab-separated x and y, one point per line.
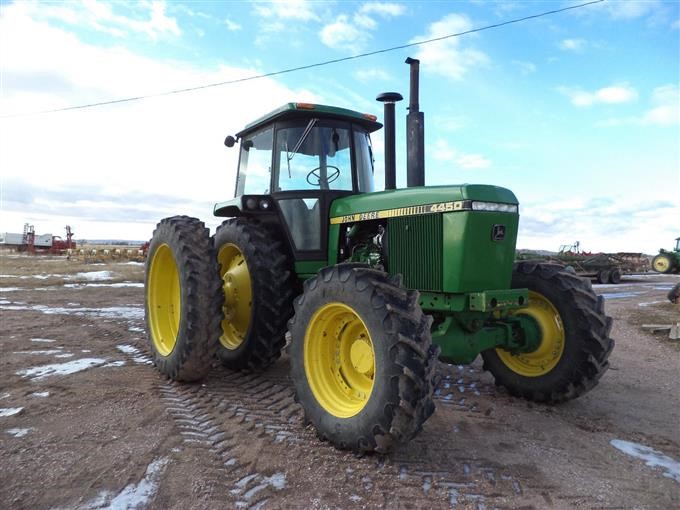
371	286
668	262
602	267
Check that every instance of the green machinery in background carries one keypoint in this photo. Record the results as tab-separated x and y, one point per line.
372	287
667	262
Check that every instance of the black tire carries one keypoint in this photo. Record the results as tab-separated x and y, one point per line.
180	268
603	276
404	358
272	289
586	346
663	263
615	276
674	294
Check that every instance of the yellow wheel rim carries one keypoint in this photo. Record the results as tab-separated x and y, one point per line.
237	296
661	264
164	300
339	360
545	358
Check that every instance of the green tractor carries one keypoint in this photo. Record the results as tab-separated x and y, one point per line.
668	262
370	288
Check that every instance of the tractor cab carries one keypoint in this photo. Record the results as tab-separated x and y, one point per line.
294	162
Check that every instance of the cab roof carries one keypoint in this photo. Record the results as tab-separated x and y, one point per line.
309	110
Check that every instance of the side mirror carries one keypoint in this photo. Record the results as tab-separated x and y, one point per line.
230	141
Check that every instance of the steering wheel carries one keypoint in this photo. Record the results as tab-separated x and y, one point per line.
316	173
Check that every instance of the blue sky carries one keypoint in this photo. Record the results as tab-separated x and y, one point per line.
577	113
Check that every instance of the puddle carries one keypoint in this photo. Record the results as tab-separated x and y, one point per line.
18	432
70	367
652	458
9	411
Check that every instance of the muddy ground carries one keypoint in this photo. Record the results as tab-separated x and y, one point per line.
86	421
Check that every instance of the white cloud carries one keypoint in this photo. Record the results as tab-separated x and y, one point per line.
300	10
352	33
151	19
385	9
232	26
124	166
447	57
445	153
614	94
576	45
666	109
342	34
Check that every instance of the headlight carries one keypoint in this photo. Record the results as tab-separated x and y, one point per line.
494	207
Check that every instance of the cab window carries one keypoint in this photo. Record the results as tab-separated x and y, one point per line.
313	157
255	163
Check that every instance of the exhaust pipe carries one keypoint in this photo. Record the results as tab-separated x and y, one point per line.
389	99
415	132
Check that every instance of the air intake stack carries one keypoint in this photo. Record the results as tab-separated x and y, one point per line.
415	132
389	99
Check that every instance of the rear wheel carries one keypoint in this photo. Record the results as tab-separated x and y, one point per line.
615	276
258	289
662	263
575	343
362	360
182	299
603	276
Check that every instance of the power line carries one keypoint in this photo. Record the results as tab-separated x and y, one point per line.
308	66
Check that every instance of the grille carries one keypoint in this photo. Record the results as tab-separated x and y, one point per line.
415	250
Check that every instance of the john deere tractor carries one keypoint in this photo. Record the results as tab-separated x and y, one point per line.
370	288
668	262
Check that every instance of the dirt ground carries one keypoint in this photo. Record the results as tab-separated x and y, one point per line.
87	422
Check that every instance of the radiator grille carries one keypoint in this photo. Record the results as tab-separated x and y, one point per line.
415	250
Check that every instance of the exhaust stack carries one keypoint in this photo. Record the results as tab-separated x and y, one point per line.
389	99
415	132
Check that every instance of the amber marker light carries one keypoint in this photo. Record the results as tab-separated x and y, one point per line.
305	106
370	116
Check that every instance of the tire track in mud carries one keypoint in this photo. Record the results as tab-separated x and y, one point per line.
229	409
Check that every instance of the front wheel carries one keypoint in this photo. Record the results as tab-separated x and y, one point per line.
575	343
362	360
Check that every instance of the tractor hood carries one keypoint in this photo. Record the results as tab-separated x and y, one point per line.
370	206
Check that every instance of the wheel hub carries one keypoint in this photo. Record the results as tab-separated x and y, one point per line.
236	287
361	355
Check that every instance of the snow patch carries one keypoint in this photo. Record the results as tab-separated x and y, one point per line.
70	367
135	495
652	458
620	295
9	289
650	303
41	394
64	355
114	285
113	312
10	411
92	276
45	340
137	355
18	432
46	352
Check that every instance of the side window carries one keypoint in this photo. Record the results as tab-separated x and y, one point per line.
254	169
313	157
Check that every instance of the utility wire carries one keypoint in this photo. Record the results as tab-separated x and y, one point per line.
308	66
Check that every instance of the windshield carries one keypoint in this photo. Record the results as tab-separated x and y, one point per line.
317	155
